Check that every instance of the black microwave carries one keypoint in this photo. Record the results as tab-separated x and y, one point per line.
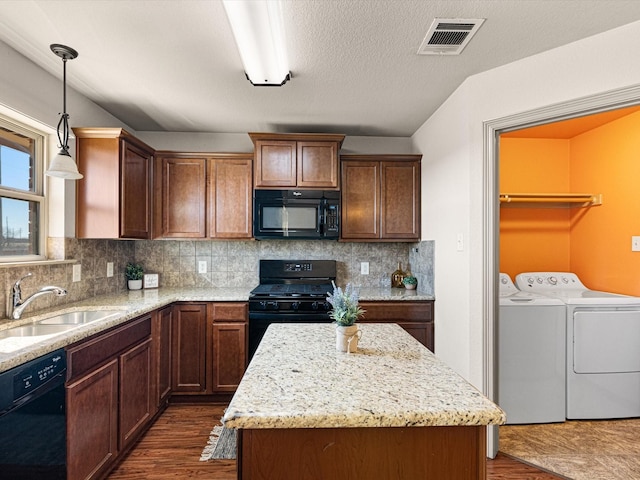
296	214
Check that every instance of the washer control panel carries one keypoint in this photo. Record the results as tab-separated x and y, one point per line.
532	281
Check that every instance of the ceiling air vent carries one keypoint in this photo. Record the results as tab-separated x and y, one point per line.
449	36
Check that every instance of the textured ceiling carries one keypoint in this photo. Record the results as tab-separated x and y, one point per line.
162	65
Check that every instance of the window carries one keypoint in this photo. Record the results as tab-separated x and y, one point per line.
22	201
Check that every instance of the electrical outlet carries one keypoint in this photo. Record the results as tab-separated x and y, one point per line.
202	266
364	268
460	242
109	269
635	244
77	272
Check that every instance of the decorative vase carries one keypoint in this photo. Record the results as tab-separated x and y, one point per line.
347	338
134	284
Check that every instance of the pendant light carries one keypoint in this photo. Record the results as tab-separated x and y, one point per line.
62	165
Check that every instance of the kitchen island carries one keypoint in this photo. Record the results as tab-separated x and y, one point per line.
390	411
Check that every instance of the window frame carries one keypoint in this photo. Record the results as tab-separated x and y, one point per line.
38	195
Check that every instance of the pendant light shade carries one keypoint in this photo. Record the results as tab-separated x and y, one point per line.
62	165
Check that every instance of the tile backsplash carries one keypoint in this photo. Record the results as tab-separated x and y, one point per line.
228	264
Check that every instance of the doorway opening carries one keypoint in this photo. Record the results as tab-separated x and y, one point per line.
606	104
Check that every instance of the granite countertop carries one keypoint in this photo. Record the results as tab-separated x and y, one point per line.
17	350
297	379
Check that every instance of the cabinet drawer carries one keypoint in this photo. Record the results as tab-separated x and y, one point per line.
230	312
91	353
394	311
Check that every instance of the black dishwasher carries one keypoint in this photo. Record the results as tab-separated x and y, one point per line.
32	420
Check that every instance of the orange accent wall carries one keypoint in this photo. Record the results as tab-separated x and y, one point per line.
534	239
607	160
593	242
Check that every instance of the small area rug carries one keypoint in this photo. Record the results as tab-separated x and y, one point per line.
221	445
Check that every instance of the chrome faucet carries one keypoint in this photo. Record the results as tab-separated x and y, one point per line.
18	305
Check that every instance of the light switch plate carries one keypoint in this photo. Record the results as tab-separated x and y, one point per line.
364	268
109	269
635	244
150	280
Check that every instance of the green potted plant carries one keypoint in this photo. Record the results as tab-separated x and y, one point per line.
345	312
410	282
134	273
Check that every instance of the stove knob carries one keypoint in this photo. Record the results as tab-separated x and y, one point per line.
295	306
263	305
274	305
553	280
326	306
314	306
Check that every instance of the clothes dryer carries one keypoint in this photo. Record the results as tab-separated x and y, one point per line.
603	345
531	356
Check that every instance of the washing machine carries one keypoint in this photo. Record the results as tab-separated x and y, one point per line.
531	356
603	345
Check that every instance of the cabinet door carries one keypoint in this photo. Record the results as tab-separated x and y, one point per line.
92	422
229	355
135	192
183	197
189	348
275	163
416	317
230	198
360	200
317	165
400	207
135	391
162	354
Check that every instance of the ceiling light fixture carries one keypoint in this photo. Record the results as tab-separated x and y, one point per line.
259	32
62	165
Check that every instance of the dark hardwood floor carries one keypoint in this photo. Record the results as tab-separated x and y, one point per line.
172	446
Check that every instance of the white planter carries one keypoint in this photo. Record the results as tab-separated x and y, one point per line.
410	286
347	338
134	284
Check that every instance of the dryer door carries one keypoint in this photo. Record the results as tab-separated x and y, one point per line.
606	341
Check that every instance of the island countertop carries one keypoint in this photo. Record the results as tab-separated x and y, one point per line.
297	379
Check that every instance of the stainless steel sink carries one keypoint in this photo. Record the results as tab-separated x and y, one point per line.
59	323
35	330
81	317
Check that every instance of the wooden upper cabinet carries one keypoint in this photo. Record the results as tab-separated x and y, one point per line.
230	197
206	196
183	197
360	200
380	197
296	160
113	200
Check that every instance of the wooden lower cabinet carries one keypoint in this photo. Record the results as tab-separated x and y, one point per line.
209	347
92	422
162	345
136	402
229	323
416	317
189	338
109	380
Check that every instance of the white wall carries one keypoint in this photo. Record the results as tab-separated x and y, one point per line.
33	96
240	142
453	177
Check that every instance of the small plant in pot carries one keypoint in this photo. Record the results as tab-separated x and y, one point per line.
345	312
410	282
134	273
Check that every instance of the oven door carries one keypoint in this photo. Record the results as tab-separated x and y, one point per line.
260	321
